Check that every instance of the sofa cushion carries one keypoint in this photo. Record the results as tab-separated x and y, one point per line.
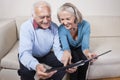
107	65
8	35
19	21
7	74
10	61
100	45
104	25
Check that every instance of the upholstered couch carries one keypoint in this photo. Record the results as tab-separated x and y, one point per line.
105	35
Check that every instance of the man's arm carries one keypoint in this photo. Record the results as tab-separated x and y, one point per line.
25	48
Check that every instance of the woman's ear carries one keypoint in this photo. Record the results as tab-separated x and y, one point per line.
75	21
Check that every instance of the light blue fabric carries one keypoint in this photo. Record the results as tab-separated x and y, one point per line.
82	40
37	42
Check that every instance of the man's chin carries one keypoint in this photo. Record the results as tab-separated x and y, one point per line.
45	27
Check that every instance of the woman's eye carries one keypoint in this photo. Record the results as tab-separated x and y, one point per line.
61	19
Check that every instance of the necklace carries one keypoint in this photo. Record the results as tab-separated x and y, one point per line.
73	29
74	33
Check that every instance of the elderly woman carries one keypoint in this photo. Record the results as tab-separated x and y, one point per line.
74	35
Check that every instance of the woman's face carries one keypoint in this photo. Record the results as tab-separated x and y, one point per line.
67	19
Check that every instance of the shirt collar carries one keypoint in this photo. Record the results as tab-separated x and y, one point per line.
35	25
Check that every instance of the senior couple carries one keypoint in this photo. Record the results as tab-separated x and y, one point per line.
42	41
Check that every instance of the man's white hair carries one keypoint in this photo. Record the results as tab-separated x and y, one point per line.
38	4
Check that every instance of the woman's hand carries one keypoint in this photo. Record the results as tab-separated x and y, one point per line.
66	58
91	55
40	70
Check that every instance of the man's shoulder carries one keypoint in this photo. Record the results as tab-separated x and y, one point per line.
27	24
54	25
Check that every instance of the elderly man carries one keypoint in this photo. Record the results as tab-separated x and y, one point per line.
38	36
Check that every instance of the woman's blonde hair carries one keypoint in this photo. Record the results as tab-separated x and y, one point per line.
72	9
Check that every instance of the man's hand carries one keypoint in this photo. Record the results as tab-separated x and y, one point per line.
66	58
71	70
40	70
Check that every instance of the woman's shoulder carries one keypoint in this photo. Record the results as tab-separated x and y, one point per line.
61	27
84	25
85	22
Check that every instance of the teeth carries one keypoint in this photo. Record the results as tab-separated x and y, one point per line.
68	25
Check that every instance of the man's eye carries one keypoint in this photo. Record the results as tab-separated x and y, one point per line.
61	19
48	16
67	19
41	17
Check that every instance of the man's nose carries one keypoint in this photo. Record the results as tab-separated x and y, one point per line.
45	20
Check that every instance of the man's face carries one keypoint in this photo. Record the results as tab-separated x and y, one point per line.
43	17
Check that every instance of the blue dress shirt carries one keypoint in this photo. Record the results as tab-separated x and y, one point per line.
82	40
37	42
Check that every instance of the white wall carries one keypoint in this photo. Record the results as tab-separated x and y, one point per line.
14	8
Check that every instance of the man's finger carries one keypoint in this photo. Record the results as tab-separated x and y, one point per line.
51	73
46	75
42	74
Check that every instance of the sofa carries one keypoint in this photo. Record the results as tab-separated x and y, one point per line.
105	35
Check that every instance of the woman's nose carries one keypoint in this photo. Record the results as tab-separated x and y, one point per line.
65	23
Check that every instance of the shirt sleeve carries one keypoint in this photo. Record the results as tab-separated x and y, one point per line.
86	36
25	48
63	38
57	47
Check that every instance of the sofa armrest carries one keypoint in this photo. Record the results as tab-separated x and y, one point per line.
8	36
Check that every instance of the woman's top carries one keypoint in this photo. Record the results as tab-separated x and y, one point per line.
83	36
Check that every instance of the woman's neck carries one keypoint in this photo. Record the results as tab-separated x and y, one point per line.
74	27
74	32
